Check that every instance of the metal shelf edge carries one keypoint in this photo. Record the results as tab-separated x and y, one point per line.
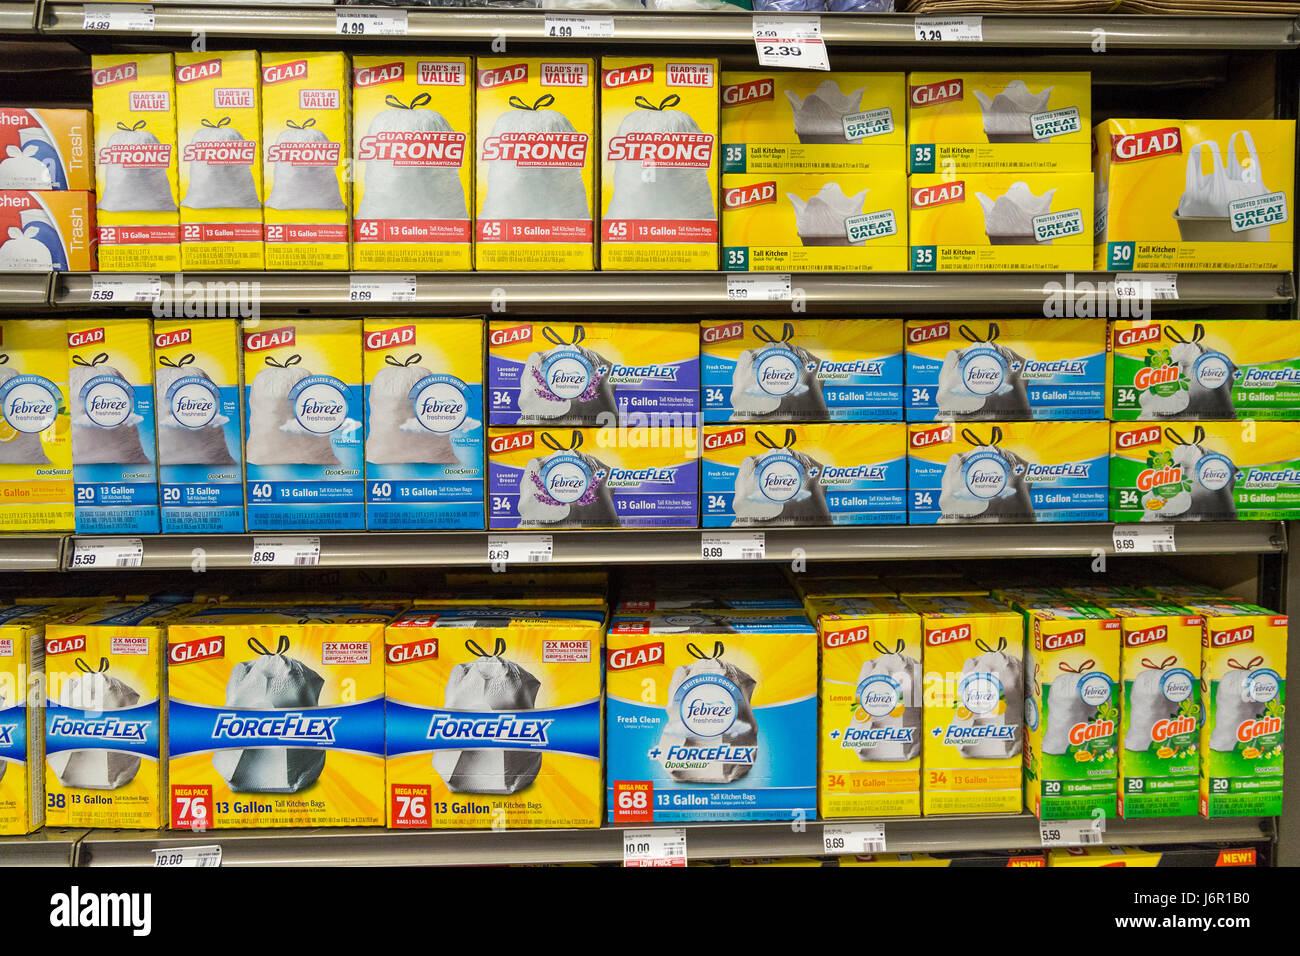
18	18
31	552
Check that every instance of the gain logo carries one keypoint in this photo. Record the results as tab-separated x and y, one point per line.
780	477
441	403
30	403
193	401
320	403
566	478
707	704
107	400
985	474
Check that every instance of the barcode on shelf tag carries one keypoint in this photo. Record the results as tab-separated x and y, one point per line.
577	27
286	552
373	23
1144	539
188	856
759	288
853	840
795	42
949	29
117	16
124	288
733	547
520	548
1073	832
381	288
662	846
100	553
1146	285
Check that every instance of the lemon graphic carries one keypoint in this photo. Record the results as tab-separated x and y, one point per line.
861	715
1002	707
7	431
897	711
963	713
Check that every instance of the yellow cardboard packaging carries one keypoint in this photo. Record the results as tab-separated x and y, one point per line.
973	705
219	129
536	179
1194	194
413	126
306	125
22	738
36	478
659	163
136	195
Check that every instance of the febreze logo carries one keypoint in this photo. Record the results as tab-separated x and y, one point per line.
1082	733
1251	729
1130	147
289	726
502	76
1164	728
947	635
208	648
1143	436
510	336
85	337
1150	635
1140	335
192	72
283	72
723	333
627	76
1057	642
109	75
166	340
753	91
925	437
1238	635
270	339
412	652
364	76
724	439
932	94
923	197
389	338
858	635
515	441
639	655
65	645
756	194
935	331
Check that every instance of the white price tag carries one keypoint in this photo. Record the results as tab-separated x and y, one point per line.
117	16
853	840
1143	539
1146	285
188	856
572	27
758	288
108	287
286	552
100	553
351	22
949	29
520	548
1073	832
795	43
733	547
381	288
662	846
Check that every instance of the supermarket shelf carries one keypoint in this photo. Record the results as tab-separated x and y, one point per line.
31	552
376	847
21	291
17	18
42	848
697	293
444	548
713	29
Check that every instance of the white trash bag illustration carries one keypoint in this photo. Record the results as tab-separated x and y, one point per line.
23	251
1009	219
566	487
986	483
646	191
395	433
709	706
190	424
780	486
777	381
819	116
135	188
105	426
224	180
1067	705
1203	389
983	381
1204	210
1194	482
518	190
303	179
1234	703
273	681
1155	695
489	683
95	692
34	163
274	437
409	190
821	220
18	446
1007	114
991	688
567	381
889	691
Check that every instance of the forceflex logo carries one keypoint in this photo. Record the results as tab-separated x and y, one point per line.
513	728
76	909
291	726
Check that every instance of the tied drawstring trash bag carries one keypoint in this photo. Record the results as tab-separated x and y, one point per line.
412	189
1156	694
1007	114
1203	388
645	190
94	691
986	483
104	423
395	434
821	220
565	487
22	168
221	170
709	707
521	188
982	381
1193	482
19	446
190	422
1009	219
819	116
135	188
1234	704
1066	706
23	251
273	435
273	681
1203	213
990	693
493	684
777	381
780	486
566	382
304	178
888	693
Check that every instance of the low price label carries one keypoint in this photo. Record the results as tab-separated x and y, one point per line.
568	27
1073	832
1146	285
853	840
188	856
1144	539
949	29
101	553
759	288
124	288
796	44
371	288
733	547
364	23
661	846
117	17
286	552
520	548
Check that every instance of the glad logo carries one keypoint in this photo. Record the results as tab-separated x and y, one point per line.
1141	436
1251	729
1130	147
502	76
1163	729
924	197
283	72
66	645
628	76
1238	635
948	635
515	441
85	337
1152	635
723	333
1148	377
390	338
935	331
925	437
858	635
639	655
931	94
511	335
191	652
724	439
754	91
270	339
165	340
109	75
1082	733
375	75
413	652
1056	642
757	194
192	72
1140	335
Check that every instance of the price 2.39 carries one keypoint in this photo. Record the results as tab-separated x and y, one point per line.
781	49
